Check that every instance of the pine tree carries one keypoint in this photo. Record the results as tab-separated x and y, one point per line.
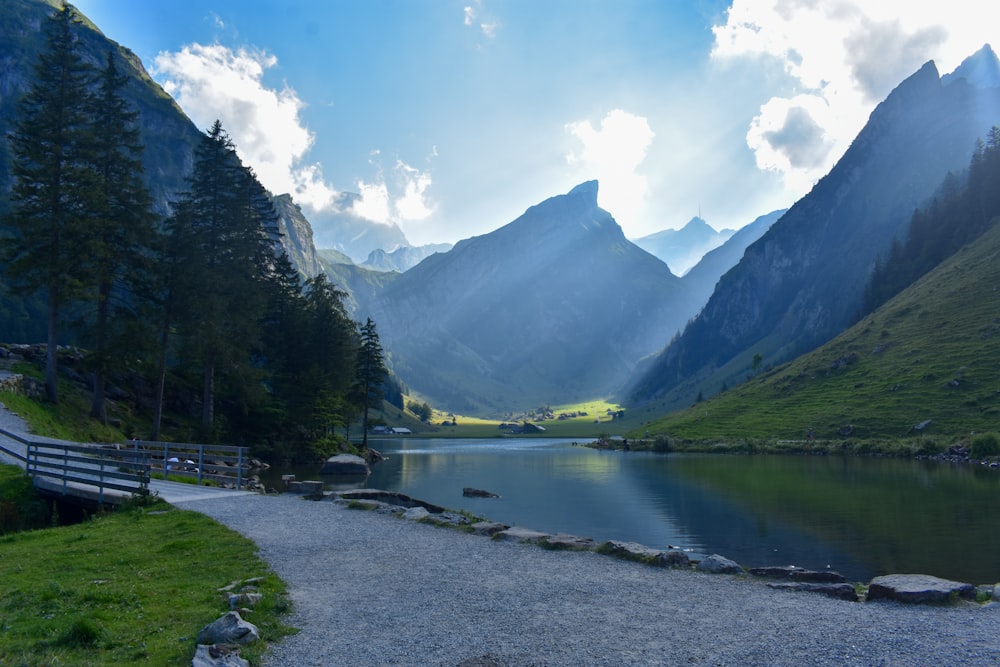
370	373
121	230
52	180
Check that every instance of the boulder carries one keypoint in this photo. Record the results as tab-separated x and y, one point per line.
842	591
672	559
217	656
918	588
716	564
228	629
345	464
794	573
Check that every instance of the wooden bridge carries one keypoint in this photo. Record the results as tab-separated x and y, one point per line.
113	474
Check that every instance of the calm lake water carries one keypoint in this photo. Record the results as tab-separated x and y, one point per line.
862	517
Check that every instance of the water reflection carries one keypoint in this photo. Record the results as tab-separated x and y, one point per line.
862	517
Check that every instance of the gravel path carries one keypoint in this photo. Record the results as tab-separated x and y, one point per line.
371	589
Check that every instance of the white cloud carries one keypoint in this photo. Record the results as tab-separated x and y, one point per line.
842	57
613	154
215	82
401	198
488	26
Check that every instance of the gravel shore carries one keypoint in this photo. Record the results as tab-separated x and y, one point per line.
371	589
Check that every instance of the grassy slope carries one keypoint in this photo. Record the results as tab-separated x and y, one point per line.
932	353
133	587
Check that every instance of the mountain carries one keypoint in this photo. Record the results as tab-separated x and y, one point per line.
927	355
297	236
704	275
802	282
168	135
360	283
340	229
683	248
402	258
556	304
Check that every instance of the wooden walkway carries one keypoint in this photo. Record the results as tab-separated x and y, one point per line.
113	474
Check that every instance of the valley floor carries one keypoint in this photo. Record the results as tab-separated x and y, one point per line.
370	589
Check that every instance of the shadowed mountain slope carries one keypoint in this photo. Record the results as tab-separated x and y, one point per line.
925	363
803	281
557	304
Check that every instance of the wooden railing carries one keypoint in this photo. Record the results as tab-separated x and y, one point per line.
57	467
223	464
98	472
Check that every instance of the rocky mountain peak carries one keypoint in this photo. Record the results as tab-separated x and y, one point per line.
981	69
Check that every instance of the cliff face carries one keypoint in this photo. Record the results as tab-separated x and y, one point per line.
802	282
297	236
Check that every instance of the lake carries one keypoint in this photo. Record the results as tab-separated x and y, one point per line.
859	516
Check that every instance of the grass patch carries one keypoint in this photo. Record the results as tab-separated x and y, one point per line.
132	587
922	365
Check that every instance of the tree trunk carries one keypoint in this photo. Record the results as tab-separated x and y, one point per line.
208	397
98	409
51	351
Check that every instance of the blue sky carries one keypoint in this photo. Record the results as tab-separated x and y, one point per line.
453	117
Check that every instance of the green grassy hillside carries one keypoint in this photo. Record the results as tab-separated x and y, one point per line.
932	353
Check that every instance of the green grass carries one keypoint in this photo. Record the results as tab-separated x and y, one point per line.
69	419
929	354
132	587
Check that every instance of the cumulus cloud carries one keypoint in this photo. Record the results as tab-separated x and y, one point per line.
613	153
214	82
842	58
400	198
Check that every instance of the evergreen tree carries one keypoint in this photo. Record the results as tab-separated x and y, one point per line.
121	230
370	373
52	180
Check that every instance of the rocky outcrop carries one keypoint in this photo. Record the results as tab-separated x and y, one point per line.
918	588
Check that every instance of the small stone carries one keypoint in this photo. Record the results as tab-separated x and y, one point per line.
229	629
217	656
489	528
518	534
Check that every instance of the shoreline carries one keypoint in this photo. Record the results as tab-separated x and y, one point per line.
371	589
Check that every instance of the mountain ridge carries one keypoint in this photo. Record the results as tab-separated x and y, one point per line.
802	281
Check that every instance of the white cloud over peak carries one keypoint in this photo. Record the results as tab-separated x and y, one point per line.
842	57
214	82
400	198
612	153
